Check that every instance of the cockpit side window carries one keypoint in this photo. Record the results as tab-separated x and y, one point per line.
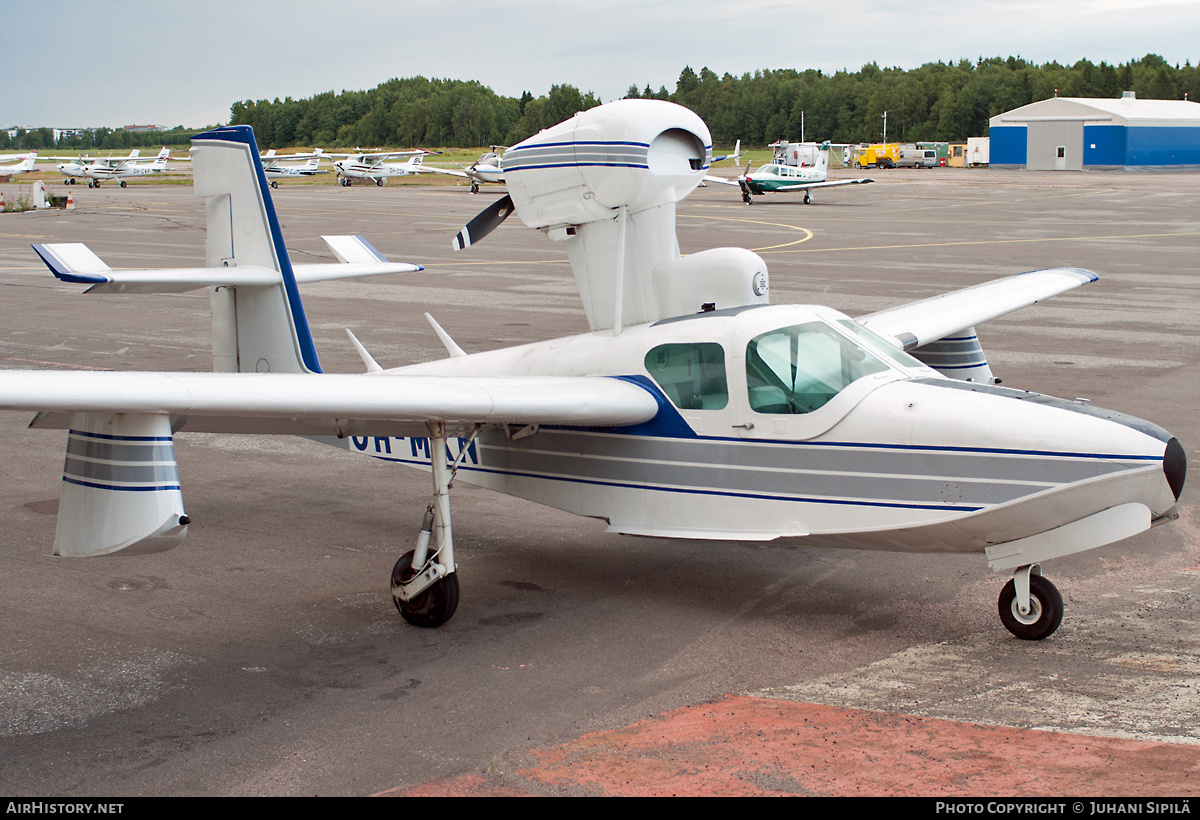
799	369
691	375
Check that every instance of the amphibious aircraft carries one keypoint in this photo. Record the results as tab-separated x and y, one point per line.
788	173
376	166
23	165
489	168
275	169
693	408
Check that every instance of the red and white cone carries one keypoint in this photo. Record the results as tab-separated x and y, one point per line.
70	201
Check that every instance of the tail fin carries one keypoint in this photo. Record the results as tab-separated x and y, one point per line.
160	161
416	160
255	328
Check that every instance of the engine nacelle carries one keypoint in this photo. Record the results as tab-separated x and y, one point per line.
637	153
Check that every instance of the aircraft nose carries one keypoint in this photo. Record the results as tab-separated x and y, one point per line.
1175	466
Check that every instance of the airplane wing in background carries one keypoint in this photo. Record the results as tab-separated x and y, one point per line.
928	320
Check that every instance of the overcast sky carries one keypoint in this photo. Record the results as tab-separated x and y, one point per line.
71	63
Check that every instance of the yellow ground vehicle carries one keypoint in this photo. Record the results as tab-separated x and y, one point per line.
878	155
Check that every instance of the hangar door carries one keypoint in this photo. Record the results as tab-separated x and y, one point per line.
1054	146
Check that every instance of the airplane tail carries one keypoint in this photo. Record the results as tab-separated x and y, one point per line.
256	328
27	163
160	162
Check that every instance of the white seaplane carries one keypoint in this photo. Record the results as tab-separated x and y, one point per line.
693	408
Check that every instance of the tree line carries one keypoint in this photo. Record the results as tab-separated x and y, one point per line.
937	101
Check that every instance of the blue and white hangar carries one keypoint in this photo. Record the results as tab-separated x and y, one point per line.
1076	133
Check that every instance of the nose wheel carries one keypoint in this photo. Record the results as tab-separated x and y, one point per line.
1042	612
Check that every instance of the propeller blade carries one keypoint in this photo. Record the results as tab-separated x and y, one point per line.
484	223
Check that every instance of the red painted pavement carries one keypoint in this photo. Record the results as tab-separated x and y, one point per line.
754	746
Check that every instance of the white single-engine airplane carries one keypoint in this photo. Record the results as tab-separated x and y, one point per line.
489	168
106	168
693	408
376	166
24	164
275	169
786	172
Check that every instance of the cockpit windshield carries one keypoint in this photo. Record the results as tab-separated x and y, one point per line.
799	369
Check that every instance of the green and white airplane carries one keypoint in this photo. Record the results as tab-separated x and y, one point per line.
791	169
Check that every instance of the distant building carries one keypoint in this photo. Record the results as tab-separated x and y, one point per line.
1074	133
143	128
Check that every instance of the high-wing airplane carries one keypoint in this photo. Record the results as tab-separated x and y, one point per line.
275	169
23	165
693	408
489	168
107	168
376	166
786	173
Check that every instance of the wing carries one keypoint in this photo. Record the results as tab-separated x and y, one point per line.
919	323
362	404
830	184
722	181
429	169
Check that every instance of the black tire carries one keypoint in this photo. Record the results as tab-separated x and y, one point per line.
435	605
122	183
274	184
1046	611
379	182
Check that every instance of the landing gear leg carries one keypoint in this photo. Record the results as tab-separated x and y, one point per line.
425	587
474	188
1030	606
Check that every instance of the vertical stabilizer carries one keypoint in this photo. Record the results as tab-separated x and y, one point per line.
255	328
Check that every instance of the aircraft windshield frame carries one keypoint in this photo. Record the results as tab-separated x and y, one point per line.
800	368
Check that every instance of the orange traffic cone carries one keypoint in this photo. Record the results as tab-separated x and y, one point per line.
2	201
70	202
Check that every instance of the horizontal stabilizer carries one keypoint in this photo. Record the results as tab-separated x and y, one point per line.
76	263
919	323
73	262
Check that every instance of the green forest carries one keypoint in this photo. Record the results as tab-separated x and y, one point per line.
938	101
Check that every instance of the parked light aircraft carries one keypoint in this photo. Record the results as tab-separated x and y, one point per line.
107	168
489	168
275	169
376	167
693	408
24	164
785	173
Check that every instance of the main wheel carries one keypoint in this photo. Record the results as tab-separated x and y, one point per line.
274	184
122	183
1045	609
379	181
435	605
807	198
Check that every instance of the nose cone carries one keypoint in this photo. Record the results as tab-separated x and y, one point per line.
1175	466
